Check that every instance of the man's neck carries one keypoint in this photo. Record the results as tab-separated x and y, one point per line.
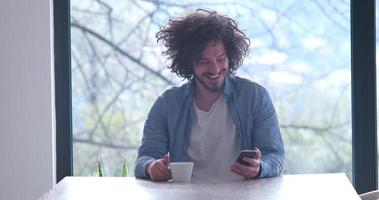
204	98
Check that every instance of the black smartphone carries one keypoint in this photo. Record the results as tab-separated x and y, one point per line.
246	153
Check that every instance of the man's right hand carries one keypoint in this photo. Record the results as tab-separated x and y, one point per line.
158	170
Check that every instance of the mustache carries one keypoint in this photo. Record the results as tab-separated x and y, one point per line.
211	73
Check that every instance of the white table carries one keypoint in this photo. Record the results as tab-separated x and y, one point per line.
288	187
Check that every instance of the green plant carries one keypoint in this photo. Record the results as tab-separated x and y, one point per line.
99	169
99	172
124	169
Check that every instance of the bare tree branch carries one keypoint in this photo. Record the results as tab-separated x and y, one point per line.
109	14
121	51
332	19
103	144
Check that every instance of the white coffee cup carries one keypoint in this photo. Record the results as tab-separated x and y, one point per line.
181	171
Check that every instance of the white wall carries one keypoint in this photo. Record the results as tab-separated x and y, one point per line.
27	125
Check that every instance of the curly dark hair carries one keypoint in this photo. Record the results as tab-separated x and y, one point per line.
185	39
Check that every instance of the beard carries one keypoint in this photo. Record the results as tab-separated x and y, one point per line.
214	88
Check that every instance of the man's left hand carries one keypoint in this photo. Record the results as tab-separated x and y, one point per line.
248	171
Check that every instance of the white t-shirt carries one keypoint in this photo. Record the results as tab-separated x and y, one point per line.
213	145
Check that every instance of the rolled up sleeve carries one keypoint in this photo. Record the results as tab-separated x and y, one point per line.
267	137
154	141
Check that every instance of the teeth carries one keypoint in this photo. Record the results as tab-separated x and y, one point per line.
213	76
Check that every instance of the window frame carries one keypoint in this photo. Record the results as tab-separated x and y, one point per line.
63	100
363	79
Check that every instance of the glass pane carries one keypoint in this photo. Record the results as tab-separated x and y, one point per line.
300	52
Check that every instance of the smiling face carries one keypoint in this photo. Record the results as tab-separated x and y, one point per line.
211	68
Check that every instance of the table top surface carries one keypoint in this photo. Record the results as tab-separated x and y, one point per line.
306	186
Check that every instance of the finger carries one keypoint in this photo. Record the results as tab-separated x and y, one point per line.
155	175
159	175
253	162
247	171
167	177
162	177
236	170
166	159
233	169
258	155
155	172
242	167
163	169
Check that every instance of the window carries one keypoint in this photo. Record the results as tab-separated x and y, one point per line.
118	71
117	67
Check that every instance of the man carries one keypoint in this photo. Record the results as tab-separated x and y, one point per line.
215	114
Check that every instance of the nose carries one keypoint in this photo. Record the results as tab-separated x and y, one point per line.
214	67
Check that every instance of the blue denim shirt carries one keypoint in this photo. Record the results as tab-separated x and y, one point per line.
169	122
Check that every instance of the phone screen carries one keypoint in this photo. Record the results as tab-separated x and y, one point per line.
246	153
